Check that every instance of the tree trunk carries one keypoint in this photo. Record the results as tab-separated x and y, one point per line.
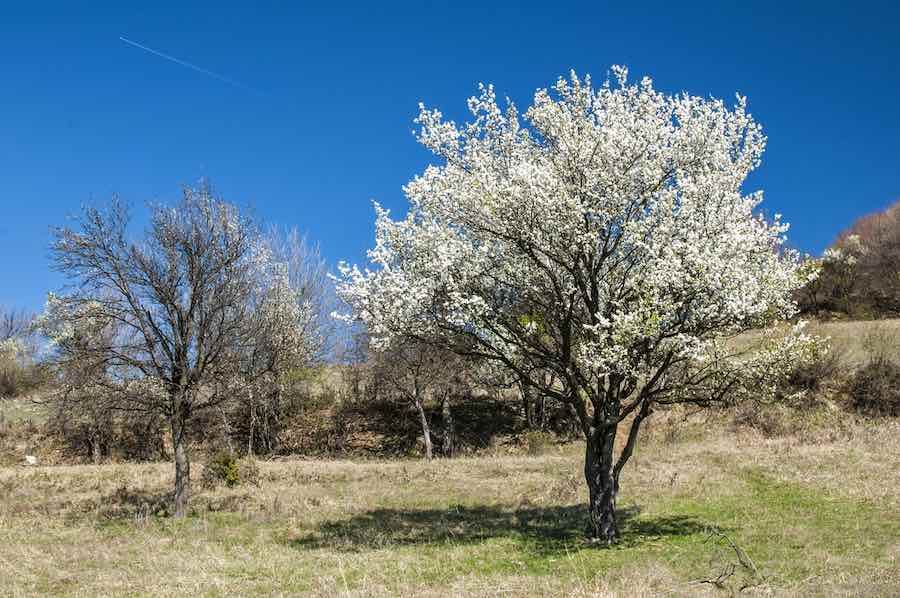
542	412
527	406
227	427
572	423
96	447
182	464
252	422
426	431
448	441
250	434
602	485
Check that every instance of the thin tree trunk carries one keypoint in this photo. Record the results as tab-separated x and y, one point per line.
227	427
182	464
527	406
96	451
426	430
602	485
252	421
96	448
549	381
449	441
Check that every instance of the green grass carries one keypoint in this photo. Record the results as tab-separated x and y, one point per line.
792	532
814	519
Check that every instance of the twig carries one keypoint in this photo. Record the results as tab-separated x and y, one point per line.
753	579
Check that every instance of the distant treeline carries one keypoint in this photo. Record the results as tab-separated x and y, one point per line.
860	273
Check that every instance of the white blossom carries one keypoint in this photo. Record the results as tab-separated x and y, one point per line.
620	204
603	237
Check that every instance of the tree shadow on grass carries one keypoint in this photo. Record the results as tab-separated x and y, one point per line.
542	530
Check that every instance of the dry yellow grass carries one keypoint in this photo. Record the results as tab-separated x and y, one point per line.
848	337
817	510
816	518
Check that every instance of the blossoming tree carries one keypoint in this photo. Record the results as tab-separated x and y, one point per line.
16	349
195	313
601	240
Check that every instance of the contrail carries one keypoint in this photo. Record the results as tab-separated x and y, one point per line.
194	67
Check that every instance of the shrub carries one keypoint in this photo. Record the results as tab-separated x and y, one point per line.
222	468
225	468
17	374
85	429
880	344
823	367
9	378
770	420
875	388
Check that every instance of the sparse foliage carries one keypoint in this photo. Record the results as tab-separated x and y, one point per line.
290	343
14	323
174	324
416	372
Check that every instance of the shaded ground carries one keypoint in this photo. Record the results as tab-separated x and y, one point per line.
543	531
392	428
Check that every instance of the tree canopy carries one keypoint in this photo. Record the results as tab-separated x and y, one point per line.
602	237
195	312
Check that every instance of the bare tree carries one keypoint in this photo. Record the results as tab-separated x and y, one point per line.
14	323
187	314
307	273
417	371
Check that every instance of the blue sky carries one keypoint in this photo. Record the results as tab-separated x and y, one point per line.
321	122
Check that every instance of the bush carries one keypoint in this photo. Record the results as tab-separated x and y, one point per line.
875	388
9	379
771	421
823	367
225	468
16	376
87	430
222	468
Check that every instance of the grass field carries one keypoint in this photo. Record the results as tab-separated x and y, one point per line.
812	518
